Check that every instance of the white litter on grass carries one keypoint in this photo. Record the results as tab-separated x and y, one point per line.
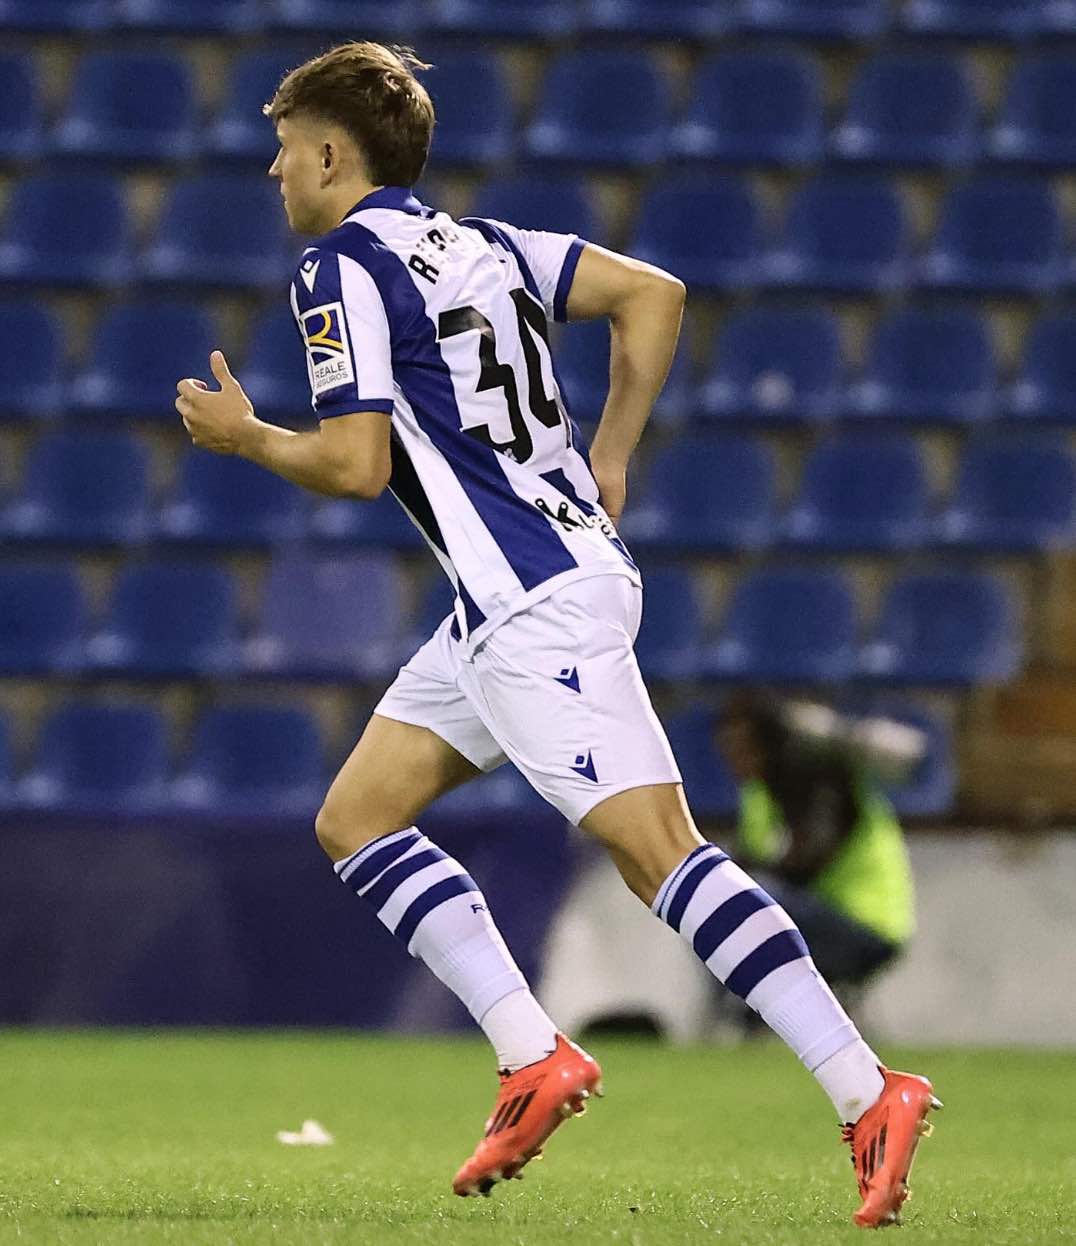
311	1134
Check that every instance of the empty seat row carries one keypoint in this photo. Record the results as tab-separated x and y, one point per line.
795	625
698	495
341	617
857	493
772	364
108	757
597	108
847	232
97	756
547	19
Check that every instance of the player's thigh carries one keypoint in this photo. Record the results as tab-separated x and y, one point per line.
647	831
394	771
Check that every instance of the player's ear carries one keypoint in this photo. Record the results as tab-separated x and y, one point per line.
329	159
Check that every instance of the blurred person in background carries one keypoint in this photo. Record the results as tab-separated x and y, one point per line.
816	830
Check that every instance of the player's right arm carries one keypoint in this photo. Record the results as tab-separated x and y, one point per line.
644	306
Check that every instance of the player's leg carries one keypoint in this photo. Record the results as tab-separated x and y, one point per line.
561	691
423	740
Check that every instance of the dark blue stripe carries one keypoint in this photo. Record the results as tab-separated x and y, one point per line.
690	885
342	399
727	918
560	481
564	281
378	860
674	878
475	618
492	233
405	485
529	544
348	406
457	885
778	950
382	890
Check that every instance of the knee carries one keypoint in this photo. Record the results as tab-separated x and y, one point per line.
341	827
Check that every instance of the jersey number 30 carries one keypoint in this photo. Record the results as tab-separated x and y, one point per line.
493	374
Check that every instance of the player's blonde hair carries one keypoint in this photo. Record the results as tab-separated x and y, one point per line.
371	91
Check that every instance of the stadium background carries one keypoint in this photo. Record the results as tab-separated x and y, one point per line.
859	480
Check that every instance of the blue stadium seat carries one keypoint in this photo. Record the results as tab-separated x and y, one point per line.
381	524
512	19
169	618
435	602
815	19
66	230
725	254
99	758
560	204
944	627
30	386
254	761
503	793
196	243
996	234
81	489
670	635
710	787
1037	123
775	364
601	108
705	493
931	789
20	108
329	616
224	500
56	16
843	232
787	626
403	18
909	108
929	365
972	19
128	106
581	353
660	19
1045	389
140	350
1012	493
860	492
192	16
42	619
240	131
274	373
475	113
753	108
7	768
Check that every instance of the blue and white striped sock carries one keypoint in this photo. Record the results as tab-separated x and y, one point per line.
749	943
430	902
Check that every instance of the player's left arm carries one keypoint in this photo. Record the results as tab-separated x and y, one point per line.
644	306
346	456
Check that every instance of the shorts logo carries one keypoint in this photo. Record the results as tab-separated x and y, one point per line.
327	348
584	765
569	677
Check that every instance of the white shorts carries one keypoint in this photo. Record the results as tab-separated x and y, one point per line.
554	689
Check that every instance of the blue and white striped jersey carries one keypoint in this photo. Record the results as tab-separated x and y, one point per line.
444	325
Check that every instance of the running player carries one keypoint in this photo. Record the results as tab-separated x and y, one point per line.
429	364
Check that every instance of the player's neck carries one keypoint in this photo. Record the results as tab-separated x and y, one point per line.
344	199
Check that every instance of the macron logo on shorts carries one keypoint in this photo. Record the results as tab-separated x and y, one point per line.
584	765
569	677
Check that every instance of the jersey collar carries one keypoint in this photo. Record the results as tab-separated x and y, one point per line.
399	197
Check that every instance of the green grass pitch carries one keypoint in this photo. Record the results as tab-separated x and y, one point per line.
117	1138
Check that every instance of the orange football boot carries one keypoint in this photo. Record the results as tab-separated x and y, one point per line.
532	1102
883	1144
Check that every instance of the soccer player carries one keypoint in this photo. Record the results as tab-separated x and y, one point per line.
429	364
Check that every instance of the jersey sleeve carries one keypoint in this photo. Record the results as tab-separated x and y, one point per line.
345	330
552	260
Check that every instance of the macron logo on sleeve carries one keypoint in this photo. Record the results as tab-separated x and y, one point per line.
309	273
